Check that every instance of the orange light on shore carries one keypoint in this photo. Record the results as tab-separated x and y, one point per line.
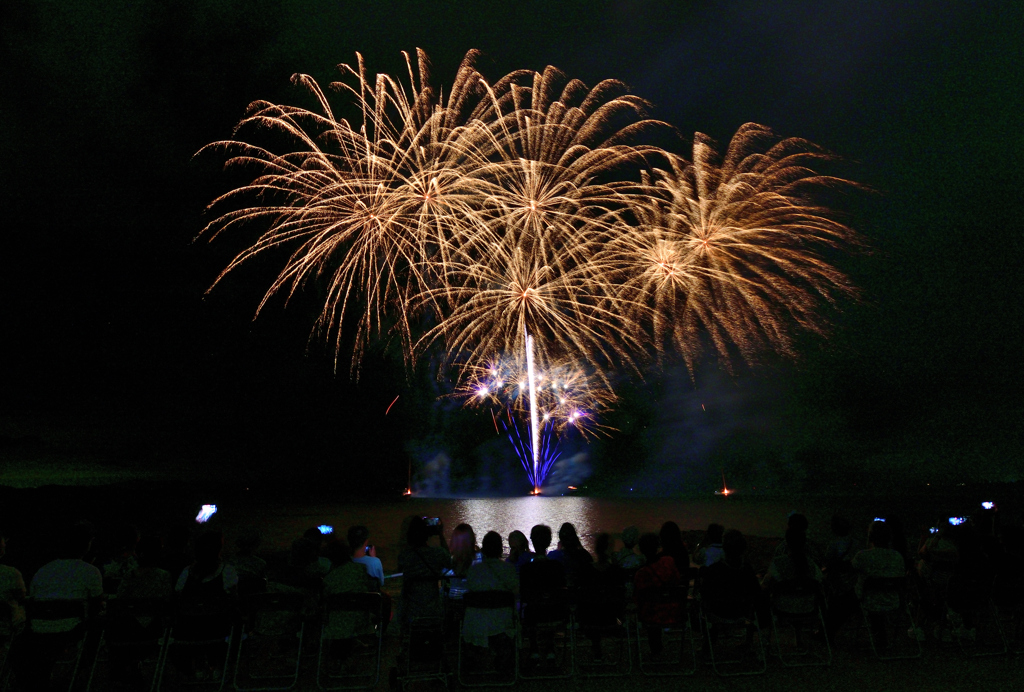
407	491
725	492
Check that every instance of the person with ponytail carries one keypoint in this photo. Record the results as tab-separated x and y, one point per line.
789	568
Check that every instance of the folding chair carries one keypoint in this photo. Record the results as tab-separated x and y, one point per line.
548	617
6	639
7	635
672	606
71	645
126	640
601	617
488	602
890	621
201	626
272	623
975	619
357	615
801	601
422	655
716	626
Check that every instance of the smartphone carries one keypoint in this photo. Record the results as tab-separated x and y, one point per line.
881	519
988	505
325	529
433	521
205	513
367	549
933	529
956	521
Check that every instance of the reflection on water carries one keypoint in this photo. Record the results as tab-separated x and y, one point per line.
507	514
282	525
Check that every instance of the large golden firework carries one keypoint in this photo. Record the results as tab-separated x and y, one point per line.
470	220
733	250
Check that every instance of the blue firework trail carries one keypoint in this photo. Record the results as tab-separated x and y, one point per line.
549	449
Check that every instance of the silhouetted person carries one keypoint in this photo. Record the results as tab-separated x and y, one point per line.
672	545
540	581
422	566
660	571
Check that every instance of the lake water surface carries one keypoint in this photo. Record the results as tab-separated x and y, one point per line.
283	523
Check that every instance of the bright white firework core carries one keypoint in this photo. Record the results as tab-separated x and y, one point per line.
533	410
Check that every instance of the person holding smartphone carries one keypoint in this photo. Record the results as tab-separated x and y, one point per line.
365	554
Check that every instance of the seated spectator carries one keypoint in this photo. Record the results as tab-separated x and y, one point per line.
178	551
626	557
147	582
729	588
464	553
422	566
1008	586
247	563
710	549
660	571
792	568
795	521
304	571
879	560
970	587
936	564
673	546
937	556
840	576
68	578
602	598
365	554
540	581
570	552
898	540
494	627
346	576
12	593
123	561
518	550
322	565
207	589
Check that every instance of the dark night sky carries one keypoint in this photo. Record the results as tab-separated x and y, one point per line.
110	347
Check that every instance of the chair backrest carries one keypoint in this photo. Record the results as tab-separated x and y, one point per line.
664	603
548	605
663	594
278	602
874	587
796	596
6	619
884	584
249	584
38	609
138	607
489	599
368	602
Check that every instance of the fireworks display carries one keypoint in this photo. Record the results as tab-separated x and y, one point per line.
566	396
464	222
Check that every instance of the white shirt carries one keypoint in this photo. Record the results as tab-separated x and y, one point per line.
373	566
64	580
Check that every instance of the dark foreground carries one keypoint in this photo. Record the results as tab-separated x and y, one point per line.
33	518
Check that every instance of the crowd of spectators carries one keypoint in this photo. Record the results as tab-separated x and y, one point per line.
956	567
